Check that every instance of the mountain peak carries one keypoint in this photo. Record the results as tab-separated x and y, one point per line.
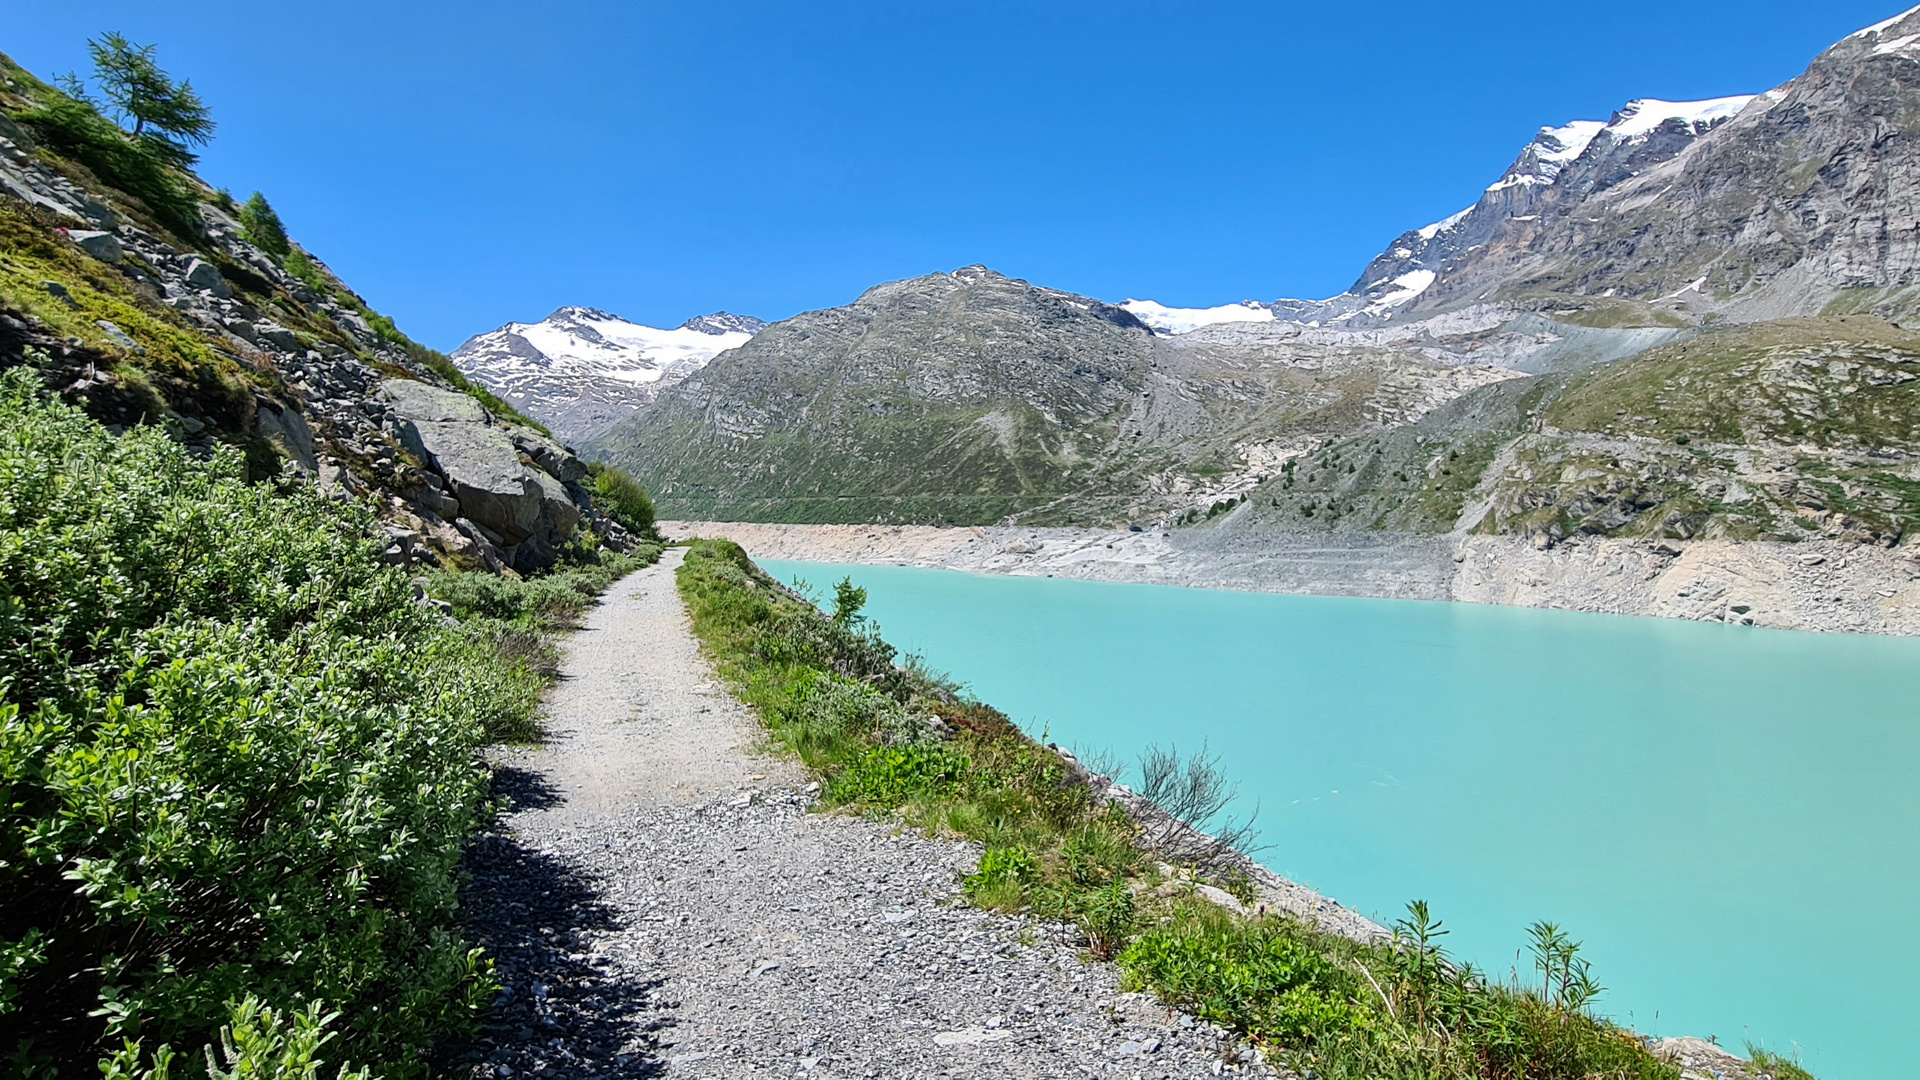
581	369
724	322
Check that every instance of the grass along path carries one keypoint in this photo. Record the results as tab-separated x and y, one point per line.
659	901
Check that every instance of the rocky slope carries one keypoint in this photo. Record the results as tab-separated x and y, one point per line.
1798	202
579	371
161	308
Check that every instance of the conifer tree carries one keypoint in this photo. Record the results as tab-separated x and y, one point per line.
166	116
264	230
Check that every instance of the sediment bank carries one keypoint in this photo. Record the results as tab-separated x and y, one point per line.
1816	585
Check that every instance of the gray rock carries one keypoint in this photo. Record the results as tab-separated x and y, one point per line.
118	336
205	276
550	455
101	245
98	213
12	186
277	336
59	292
423	401
485	474
13	133
352	323
288	431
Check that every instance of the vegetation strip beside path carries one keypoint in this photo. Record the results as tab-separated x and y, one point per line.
659	900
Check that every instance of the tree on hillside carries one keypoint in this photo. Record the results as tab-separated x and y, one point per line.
167	116
264	230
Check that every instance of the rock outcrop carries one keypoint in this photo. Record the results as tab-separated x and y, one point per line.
521	504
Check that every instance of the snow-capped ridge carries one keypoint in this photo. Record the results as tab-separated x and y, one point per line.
582	369
1639	117
1172	320
1879	26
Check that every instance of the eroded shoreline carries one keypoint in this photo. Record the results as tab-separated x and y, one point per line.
1817	585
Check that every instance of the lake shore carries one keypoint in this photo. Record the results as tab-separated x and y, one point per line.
1816	585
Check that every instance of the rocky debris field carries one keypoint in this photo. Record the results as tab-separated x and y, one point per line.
661	902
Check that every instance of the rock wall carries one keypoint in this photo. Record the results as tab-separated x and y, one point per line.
1821	585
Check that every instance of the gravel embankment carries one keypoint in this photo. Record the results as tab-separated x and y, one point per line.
1819	585
661	903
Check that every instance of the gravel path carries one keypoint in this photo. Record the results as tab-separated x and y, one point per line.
661	902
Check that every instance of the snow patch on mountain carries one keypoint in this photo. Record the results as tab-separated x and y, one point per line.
1882	24
1172	320
1638	118
581	370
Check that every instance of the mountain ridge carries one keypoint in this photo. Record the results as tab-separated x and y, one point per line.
582	369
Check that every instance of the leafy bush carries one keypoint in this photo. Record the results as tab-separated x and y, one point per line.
1263	978
263	227
550	601
621	498
237	757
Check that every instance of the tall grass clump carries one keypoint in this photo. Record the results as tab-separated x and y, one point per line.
892	738
621	498
238	762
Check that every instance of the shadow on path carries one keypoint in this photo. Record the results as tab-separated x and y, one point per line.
562	1011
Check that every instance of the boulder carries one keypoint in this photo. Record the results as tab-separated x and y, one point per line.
484	473
288	431
423	401
205	276
101	245
524	512
118	336
558	462
278	336
557	507
354	325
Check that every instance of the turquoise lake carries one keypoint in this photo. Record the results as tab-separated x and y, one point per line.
1729	818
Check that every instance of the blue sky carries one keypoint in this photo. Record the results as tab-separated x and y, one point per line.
467	164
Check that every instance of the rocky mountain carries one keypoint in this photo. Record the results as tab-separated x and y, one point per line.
1645	326
580	370
972	397
145	296
1794	202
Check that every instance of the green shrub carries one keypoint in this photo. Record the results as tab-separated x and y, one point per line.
263	227
237	757
257	1043
621	498
1256	977
301	266
886	776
